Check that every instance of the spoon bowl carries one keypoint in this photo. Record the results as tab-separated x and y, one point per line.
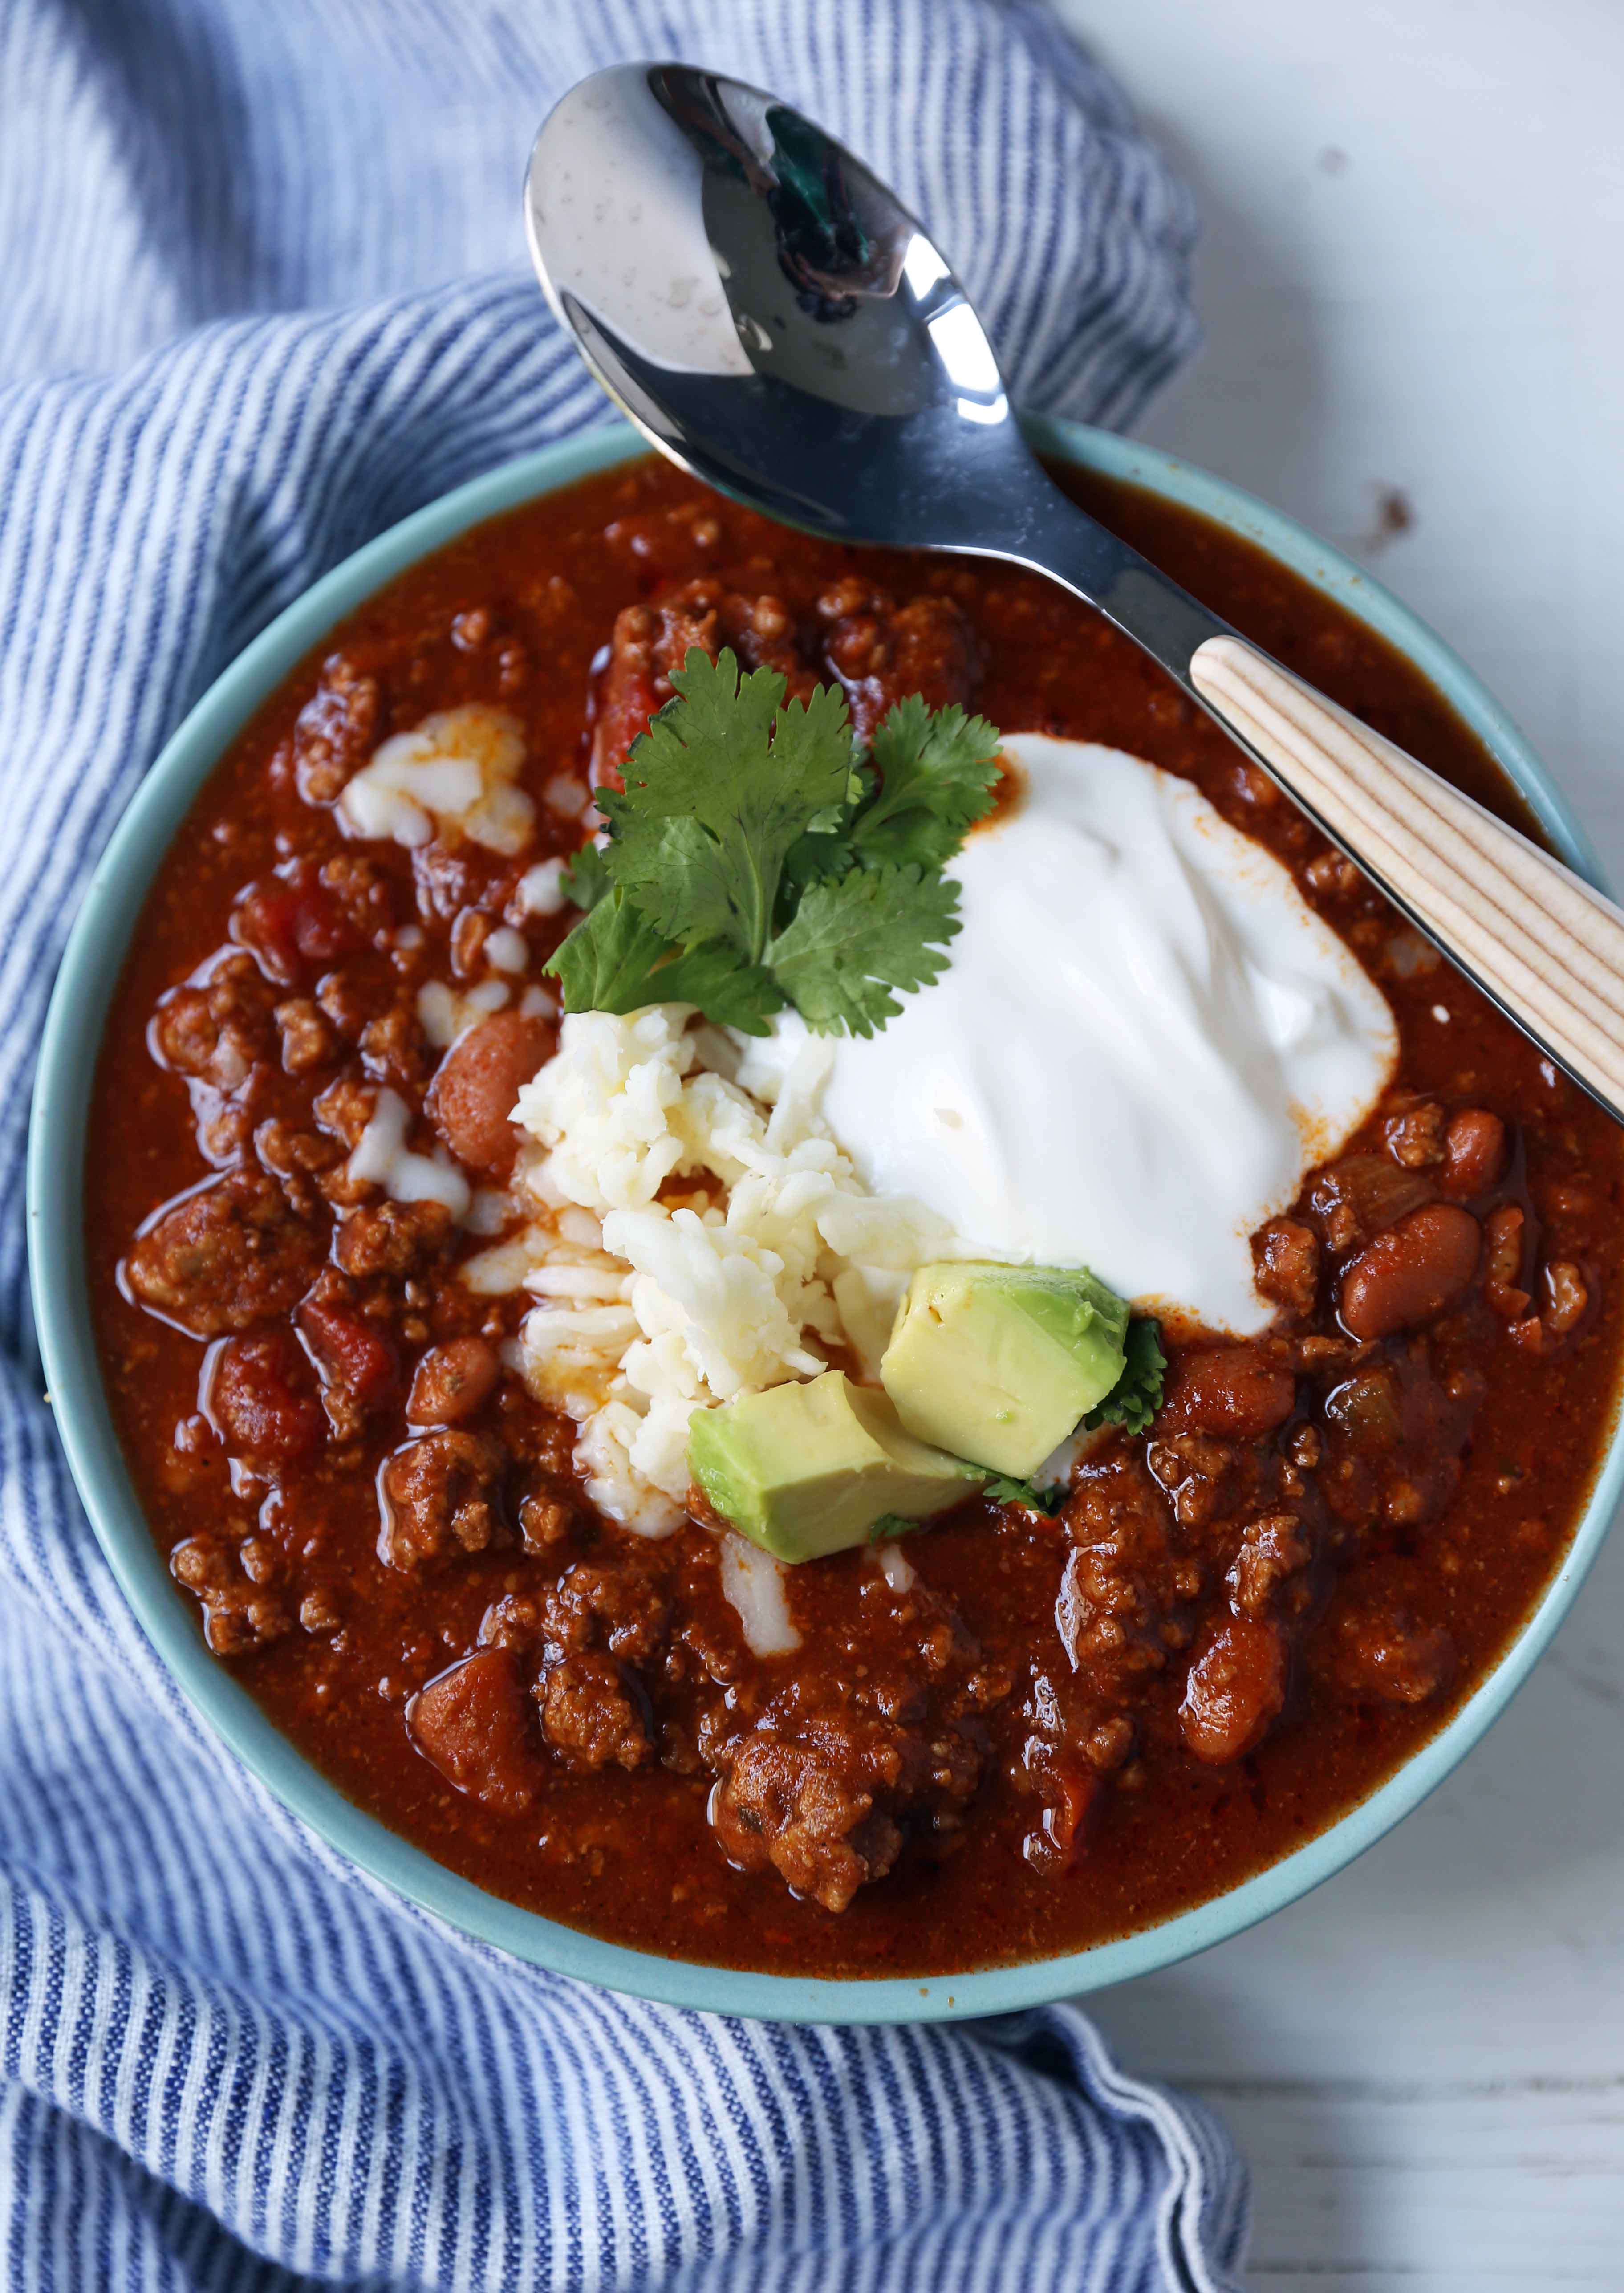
768	312
773	319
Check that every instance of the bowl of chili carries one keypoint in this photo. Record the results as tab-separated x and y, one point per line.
967	1933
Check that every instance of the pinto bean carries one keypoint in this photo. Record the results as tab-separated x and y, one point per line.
1411	1272
1474	1153
1233	1390
472	1097
1235	1688
452	1381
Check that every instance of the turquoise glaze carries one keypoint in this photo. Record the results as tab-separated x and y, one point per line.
78	1008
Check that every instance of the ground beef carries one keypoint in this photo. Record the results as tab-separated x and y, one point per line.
440	1495
1414	1135
612	1604
308	1039
594	1712
649	641
337	730
877	650
1198	1472
230	1254
392	1238
1275	1553
1286	1260
1125	1584
882	652
214	1031
238	1614
823	1787
393	1049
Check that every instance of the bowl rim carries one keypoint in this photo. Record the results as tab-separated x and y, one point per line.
57	1145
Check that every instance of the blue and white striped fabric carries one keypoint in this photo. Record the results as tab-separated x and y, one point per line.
262	294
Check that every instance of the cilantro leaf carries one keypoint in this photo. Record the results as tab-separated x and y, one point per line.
615	961
753	860
812	859
716	796
890	1524
937	770
855	937
729	993
586	879
1137	1395
605	963
1002	1488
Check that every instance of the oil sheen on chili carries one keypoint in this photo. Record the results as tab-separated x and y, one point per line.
1059	1729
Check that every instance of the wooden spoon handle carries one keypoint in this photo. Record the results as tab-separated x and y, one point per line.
1548	949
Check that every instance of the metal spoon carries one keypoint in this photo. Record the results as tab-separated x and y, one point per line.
767	311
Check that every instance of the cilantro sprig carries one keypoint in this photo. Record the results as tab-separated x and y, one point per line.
1005	1489
1137	1395
753	861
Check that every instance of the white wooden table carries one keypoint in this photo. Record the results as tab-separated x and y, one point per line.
1412	280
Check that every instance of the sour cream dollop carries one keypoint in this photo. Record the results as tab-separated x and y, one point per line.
1144	1039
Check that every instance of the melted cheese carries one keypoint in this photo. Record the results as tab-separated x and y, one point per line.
455	773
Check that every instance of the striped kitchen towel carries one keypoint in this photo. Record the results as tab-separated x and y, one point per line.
263	293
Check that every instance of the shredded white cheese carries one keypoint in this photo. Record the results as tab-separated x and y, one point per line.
653	1304
754	1583
506	949
381	1156
491	1212
895	1567
565	794
456	773
541	891
443	1012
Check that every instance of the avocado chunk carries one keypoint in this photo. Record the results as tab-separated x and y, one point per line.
803	1470
1003	1361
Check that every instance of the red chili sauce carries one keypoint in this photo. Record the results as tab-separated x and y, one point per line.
1241	1622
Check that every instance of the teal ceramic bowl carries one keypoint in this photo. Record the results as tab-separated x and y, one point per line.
57	1145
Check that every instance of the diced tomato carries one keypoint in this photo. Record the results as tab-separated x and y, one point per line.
259	1395
290	921
477	1727
350	1351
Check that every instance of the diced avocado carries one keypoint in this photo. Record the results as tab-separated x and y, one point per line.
1003	1361
806	1470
